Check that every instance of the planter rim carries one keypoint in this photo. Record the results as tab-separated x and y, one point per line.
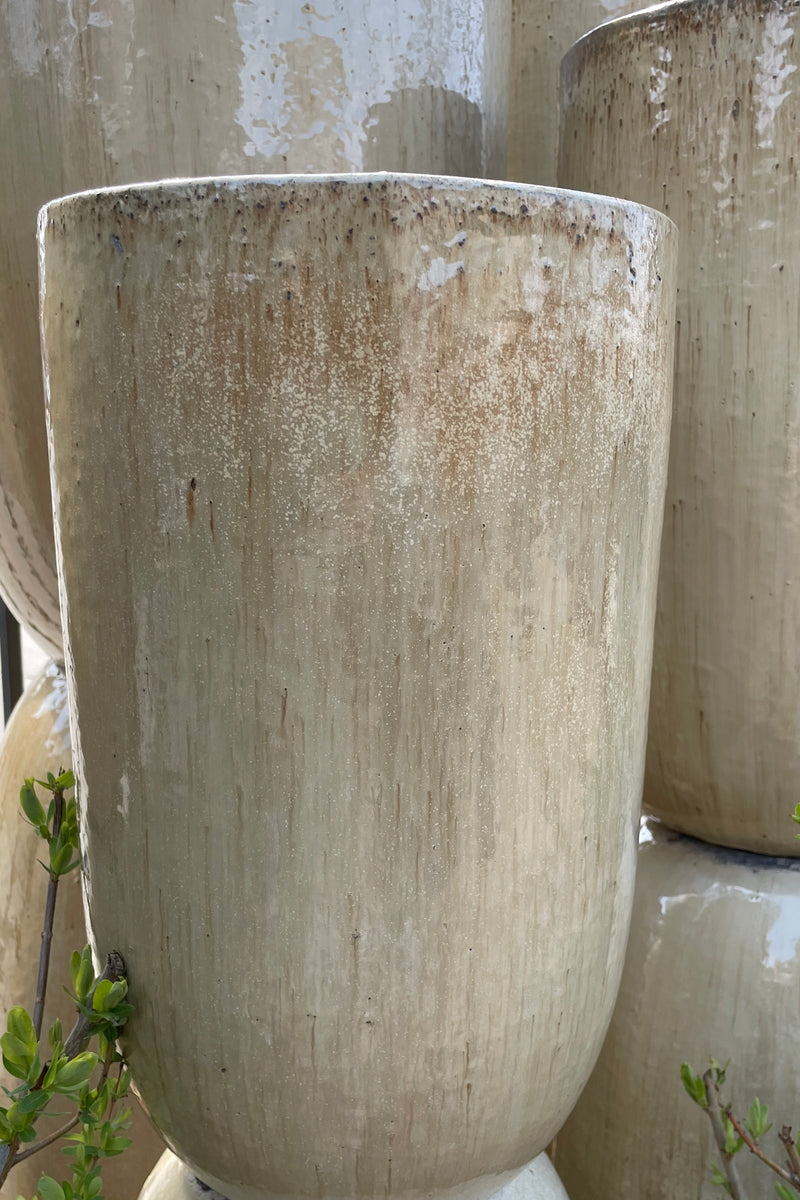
527	193
644	18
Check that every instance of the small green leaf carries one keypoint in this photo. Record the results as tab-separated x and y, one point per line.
33	1101
19	1119
82	969
781	1189
720	1180
719	1071
55	1035
60	857
116	1145
20	1025
107	995
31	805
758	1122
56	1062
733	1143
100	992
17	1058
48	1189
694	1085
65	781
74	1073
76	862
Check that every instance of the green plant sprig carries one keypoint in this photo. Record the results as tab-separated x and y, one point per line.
66	1070
731	1133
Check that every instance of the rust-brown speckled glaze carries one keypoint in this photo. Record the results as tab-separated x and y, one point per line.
695	108
109	91
359	486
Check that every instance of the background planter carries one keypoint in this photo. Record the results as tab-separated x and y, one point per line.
35	741
140	90
692	107
359	532
542	32
712	969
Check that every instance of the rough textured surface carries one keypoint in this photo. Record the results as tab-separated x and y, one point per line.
694	108
542	32
171	1180
114	91
713	968
359	491
35	741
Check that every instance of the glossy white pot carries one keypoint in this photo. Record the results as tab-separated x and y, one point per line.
171	1180
712	968
359	488
35	741
139	89
542	32
694	107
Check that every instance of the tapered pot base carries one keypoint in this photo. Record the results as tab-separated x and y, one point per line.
171	1179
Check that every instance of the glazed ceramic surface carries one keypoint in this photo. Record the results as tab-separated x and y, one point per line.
171	1180
542	32
35	741
712	969
110	91
359	487
694	108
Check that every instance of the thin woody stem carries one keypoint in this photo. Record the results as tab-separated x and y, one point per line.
46	1141
9	1152
715	1116
754	1148
47	929
785	1136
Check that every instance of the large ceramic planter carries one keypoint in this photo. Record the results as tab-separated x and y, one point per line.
712	969
693	107
359	488
136	89
542	32
35	741
171	1180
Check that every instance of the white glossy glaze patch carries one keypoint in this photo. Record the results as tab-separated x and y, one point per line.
712	970
353	58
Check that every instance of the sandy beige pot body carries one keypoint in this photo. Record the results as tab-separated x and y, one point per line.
359	489
712	969
542	32
138	89
35	741
171	1180
694	108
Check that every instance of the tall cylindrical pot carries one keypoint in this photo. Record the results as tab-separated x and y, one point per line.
35	741
359	488
541	33
139	89
693	107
